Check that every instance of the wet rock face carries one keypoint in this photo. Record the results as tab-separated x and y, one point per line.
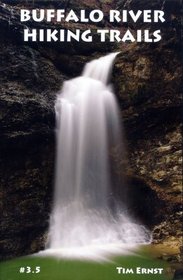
166	230
29	83
26	179
165	165
143	202
137	75
149	91
147	80
27	146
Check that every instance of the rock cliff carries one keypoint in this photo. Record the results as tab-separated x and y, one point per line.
147	81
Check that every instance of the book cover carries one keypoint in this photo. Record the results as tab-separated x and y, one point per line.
91	155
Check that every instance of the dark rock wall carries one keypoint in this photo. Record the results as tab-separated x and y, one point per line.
27	145
147	81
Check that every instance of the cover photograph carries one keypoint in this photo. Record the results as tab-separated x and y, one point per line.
91	140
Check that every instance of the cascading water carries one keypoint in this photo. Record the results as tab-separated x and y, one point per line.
87	121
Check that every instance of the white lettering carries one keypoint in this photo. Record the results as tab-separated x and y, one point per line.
115	36
83	16
147	16
24	15
147	38
96	15
30	34
51	35
128	37
134	16
114	16
72	17
38	15
102	34
157	35
159	15
119	269
50	14
60	14
86	36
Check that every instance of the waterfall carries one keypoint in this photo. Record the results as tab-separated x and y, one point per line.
87	124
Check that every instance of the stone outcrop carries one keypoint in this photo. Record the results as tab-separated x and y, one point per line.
147	81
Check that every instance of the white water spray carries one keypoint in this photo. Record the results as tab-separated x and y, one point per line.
87	122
